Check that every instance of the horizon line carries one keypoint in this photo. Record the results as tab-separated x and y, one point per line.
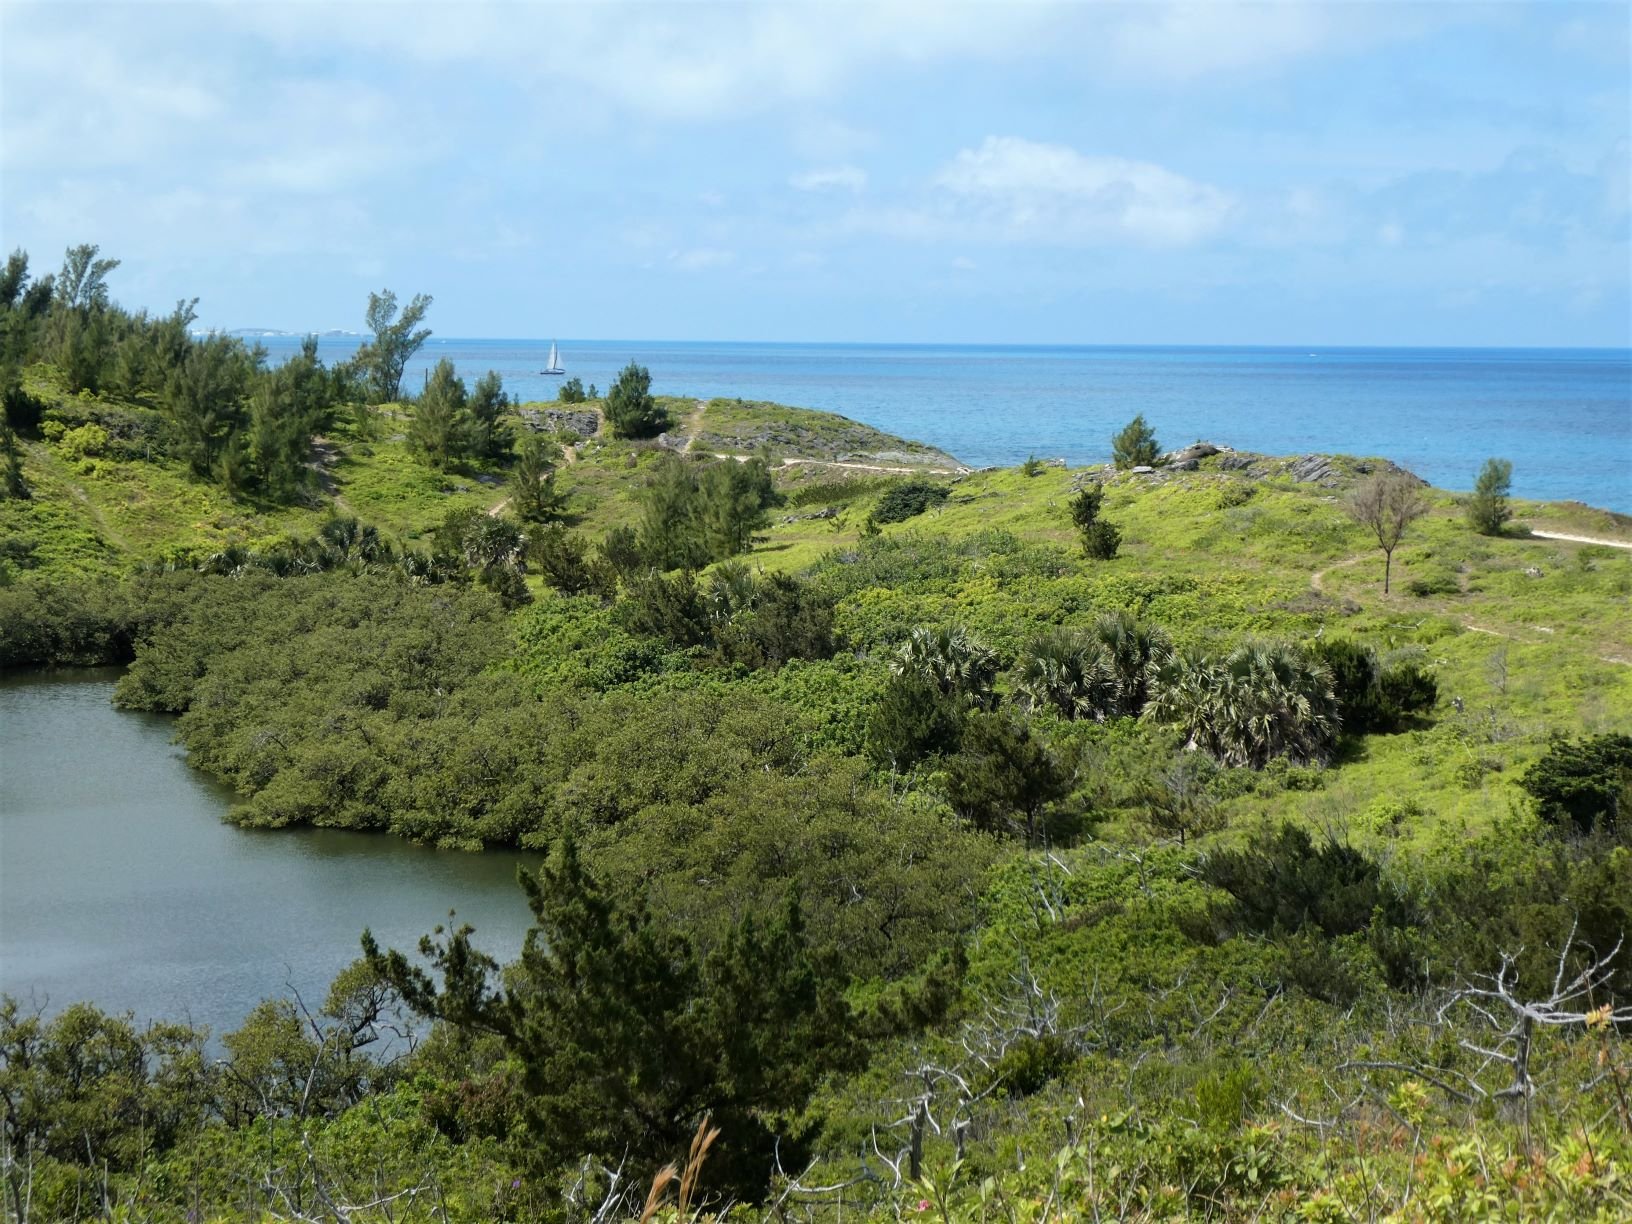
1313	347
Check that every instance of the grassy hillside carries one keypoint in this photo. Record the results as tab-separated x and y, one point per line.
1257	1019
1523	633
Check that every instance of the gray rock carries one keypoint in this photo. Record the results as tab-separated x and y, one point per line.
1144	469
1187	458
585	422
1314	469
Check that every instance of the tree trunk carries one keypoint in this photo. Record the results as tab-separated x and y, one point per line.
1388	564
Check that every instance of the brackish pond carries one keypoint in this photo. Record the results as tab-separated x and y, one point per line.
120	884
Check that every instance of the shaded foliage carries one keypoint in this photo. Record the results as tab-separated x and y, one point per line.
629	1034
908	499
1585	783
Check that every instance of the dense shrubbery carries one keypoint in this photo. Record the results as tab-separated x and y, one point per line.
1259	701
1585	783
693	513
908	499
1372	696
944	854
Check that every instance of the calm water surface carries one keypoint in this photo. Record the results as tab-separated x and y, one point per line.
1563	416
120	884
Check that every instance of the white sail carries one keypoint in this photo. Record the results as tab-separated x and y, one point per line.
555	358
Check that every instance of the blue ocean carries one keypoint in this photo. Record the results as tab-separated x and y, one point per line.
1563	416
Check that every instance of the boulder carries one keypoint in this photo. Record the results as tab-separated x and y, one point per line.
1187	458
585	422
1314	469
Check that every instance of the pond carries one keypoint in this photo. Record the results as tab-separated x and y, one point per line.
120	883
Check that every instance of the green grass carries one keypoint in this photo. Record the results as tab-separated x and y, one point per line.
1530	634
734	426
1525	654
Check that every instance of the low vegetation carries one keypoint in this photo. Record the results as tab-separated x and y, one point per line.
1016	844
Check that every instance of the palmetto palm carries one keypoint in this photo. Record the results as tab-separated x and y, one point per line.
1131	649
1068	670
1260	701
1099	672
955	662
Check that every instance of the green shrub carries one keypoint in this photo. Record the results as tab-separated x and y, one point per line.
1370	696
1586	783
86	442
1283	882
1439	583
1101	540
908	500
1226	1098
565	563
1135	445
631	410
1488	509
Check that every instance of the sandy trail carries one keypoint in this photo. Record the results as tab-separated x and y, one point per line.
1575	539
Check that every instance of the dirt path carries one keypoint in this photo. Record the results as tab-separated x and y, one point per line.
694	425
1317	580
1575	539
324	455
569	456
859	467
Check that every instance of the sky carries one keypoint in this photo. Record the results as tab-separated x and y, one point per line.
922	171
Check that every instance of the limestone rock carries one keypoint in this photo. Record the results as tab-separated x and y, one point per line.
583	422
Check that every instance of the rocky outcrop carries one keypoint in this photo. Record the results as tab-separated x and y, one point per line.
1327	471
1186	460
585	422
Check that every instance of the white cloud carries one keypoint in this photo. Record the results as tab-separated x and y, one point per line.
701	257
705	60
964	264
842	178
1034	191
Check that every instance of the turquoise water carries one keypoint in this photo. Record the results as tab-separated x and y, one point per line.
1563	416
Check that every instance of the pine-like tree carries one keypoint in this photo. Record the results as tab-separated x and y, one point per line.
630	408
1488	509
1135	445
628	1034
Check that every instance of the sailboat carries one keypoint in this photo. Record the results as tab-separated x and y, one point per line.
554	366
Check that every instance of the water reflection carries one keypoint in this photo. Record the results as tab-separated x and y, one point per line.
120	884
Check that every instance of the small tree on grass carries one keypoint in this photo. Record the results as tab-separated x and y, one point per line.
491	436
1386	505
1488	508
630	408
1100	538
1136	445
442	429
533	491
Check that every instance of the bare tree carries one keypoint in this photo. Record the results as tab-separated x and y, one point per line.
1495	1020
1386	505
